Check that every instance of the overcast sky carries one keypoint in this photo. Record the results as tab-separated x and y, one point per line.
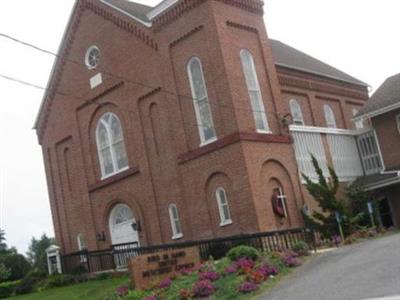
359	37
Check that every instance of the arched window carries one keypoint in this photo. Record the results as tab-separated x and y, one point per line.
223	207
360	123
81	242
200	101
81	247
110	145
329	117
253	87
175	222
296	112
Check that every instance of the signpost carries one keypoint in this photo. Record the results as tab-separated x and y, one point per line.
371	214
339	221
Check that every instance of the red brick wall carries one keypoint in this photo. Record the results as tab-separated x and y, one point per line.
389	138
161	136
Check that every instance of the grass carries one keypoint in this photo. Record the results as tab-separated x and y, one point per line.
91	290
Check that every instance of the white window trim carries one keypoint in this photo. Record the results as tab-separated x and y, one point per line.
224	222
267	129
328	113
294	105
114	161
203	140
90	67
398	122
175	235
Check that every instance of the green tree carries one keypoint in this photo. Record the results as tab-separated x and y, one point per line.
37	252
17	264
324	192
5	273
3	245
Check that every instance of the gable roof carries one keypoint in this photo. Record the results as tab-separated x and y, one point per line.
289	57
135	9
385	99
283	54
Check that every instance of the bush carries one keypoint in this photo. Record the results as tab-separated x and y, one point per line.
103	276
58	281
301	248
18	265
79	270
7	289
243	252
25	286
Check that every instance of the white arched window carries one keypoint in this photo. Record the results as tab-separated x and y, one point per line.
360	123
296	112
110	145
81	242
329	117
175	222
201	102
223	207
81	247
253	86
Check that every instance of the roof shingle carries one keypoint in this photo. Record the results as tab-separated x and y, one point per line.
387	95
290	57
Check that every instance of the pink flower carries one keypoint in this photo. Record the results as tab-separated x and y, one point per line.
267	270
203	288
231	269
247	287
166	283
122	291
210	275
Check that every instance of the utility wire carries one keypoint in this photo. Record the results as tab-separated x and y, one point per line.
120	77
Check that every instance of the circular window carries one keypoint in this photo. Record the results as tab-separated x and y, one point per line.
92	57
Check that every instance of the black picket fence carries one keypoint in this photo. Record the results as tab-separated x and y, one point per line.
118	256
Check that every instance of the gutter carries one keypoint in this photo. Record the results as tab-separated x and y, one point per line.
377	112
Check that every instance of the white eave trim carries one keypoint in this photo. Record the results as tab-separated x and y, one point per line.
321	74
160	8
147	24
378	112
383	183
327	130
53	69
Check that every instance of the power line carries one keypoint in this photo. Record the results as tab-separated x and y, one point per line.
23	82
120	77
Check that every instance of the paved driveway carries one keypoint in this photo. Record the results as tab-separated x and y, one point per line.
363	271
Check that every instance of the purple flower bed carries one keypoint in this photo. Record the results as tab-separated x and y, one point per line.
231	269
150	298
267	270
247	287
203	288
291	261
166	283
210	275
122	291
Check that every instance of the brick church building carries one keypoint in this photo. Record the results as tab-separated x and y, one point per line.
184	121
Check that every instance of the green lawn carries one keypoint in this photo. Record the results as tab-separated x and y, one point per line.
92	290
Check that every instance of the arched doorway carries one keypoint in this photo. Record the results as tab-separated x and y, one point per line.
121	229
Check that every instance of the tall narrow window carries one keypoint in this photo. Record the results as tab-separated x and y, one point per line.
223	207
329	117
82	246
200	101
296	112
253	86
81	242
110	145
398	122
175	222
359	124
